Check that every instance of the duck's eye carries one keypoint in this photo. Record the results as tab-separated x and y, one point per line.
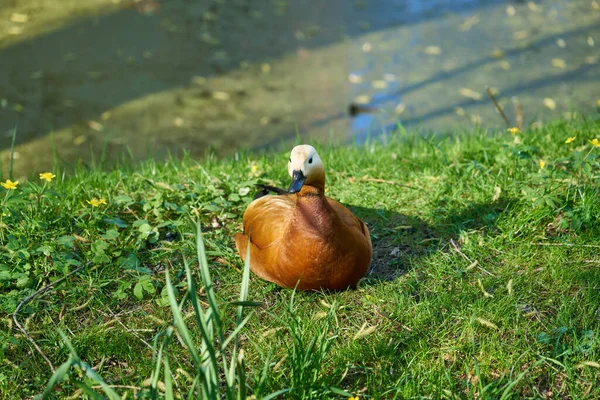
310	161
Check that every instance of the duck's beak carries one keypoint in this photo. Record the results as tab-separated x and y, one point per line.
298	179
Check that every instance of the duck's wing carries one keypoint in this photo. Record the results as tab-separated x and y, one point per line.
349	219
267	218
265	189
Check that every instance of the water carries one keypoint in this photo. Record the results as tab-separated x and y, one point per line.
141	78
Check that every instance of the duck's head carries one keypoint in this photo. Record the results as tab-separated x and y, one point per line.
306	168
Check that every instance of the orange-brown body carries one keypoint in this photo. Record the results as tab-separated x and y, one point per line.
305	239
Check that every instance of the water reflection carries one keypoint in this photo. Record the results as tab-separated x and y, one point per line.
165	76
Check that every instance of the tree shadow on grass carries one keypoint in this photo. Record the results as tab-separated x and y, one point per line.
399	240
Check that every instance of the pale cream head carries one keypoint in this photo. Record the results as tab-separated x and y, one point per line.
305	158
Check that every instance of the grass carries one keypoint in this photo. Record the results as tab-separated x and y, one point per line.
485	279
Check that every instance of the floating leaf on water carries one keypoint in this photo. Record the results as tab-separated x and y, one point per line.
468	23
591	59
534	7
400	108
97	126
265	120
389	77
198	80
379	84
354	78
460	111
105	115
19	18
559	63
265	68
497	52
550	103
209	16
476	119
560	42
470	93
520	35
505	65
15	30
590	41
595	6
363	99
94	74
209	39
79	140
432	50
223	96
367	47
178	122
510	11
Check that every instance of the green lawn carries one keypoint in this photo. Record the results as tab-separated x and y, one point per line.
485	280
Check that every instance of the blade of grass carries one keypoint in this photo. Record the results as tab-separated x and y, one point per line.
58	376
178	318
168	382
209	365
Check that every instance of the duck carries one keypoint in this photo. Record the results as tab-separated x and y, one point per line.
301	239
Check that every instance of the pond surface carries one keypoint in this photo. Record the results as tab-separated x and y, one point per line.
128	79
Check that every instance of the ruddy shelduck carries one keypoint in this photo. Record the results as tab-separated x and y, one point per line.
302	239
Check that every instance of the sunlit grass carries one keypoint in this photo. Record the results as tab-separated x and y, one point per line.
484	281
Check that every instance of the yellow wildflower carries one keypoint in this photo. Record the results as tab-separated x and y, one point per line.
542	164
254	168
595	142
514	130
96	202
47	176
354	398
598	103
9	185
570	139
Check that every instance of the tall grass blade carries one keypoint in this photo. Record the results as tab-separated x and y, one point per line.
209	365
240	315
89	371
158	356
206	278
58	376
178	319
168	382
